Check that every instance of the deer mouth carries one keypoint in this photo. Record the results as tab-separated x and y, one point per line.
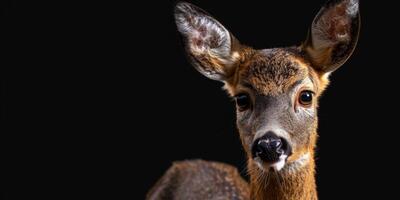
275	165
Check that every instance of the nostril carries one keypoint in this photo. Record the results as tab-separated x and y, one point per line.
268	149
286	148
262	144
260	147
276	143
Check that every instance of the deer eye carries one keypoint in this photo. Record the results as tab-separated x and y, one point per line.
305	98
242	101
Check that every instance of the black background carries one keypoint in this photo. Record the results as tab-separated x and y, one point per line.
98	98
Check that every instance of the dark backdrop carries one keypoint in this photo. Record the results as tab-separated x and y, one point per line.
98	98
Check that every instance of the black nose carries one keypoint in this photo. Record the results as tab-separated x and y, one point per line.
270	147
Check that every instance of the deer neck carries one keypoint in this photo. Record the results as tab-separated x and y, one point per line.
294	181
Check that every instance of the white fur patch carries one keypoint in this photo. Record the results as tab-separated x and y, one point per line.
292	167
276	166
280	164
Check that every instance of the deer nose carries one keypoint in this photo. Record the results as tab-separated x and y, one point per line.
270	147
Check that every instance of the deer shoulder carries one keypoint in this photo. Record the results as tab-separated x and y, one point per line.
199	179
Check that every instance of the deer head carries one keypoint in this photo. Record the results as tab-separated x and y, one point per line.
276	90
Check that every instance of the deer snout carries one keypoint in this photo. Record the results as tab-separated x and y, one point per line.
270	148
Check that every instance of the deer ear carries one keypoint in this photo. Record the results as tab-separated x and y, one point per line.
333	35
210	47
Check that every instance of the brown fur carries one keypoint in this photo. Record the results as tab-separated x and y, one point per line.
273	79
273	75
200	180
281	186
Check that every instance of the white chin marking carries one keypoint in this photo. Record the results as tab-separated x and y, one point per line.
277	166
280	164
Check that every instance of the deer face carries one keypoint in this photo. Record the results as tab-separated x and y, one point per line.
276	90
276	94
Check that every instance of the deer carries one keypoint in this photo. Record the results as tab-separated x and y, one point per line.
276	93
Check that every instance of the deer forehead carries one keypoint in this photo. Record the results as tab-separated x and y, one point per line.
272	71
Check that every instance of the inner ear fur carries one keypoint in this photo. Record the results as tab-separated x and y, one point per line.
333	35
212	49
